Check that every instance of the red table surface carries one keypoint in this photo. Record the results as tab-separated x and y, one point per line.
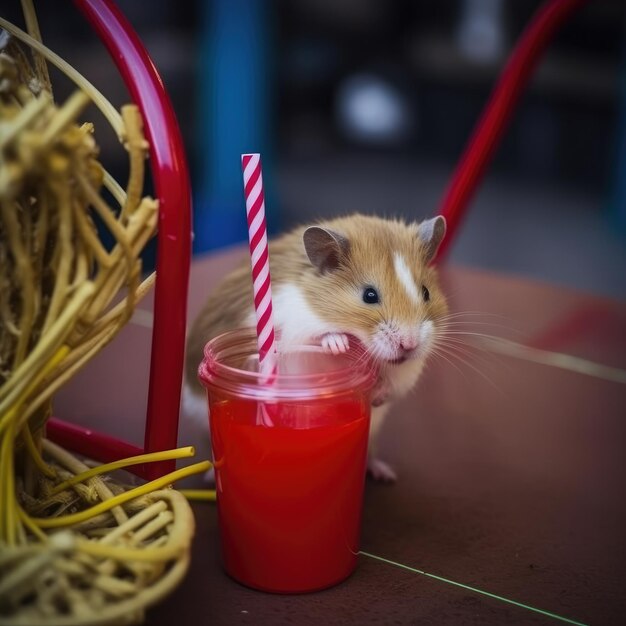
512	477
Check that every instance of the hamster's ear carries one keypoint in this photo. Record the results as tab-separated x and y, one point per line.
325	248
431	233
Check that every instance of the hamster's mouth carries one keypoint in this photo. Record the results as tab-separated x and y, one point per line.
399	359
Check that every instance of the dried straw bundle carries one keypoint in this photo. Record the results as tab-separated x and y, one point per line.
74	549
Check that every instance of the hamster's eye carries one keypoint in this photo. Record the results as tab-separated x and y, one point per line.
425	293
370	295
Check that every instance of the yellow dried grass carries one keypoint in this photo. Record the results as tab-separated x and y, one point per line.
74	548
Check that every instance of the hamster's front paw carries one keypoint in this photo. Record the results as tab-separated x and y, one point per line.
335	343
379	470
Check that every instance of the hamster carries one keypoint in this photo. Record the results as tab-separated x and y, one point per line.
357	278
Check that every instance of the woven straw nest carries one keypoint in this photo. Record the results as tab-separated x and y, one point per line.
75	548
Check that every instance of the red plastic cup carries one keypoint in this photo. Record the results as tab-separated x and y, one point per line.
289	496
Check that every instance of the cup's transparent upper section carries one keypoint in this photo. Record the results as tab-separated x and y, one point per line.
231	364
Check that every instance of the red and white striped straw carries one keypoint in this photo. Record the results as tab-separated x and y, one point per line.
259	257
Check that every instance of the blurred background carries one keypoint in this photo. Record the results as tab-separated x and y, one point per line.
366	105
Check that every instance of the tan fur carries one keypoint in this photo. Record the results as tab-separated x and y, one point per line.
334	296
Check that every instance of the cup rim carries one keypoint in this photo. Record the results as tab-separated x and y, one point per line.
357	374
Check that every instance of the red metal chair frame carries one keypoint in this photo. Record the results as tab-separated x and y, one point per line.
488	131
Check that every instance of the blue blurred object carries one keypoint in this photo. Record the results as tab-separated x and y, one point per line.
235	91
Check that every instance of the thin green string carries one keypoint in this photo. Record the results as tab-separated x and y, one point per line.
475	590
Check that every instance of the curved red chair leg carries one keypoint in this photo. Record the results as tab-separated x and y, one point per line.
493	122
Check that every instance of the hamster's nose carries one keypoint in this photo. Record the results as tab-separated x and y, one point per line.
408	344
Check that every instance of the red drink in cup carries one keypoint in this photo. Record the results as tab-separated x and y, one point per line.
289	495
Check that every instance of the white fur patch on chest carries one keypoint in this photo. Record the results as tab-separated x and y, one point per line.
405	277
294	317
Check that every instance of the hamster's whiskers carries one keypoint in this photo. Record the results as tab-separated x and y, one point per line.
444	353
377	354
458	344
436	353
363	357
447	345
465	319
